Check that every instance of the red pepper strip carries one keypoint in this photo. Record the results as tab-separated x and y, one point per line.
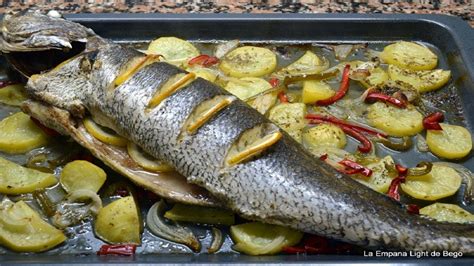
358	167
343	88
402	171
377	96
337	121
204	60
432	121
124	250
413	209
49	131
293	250
323	157
393	190
274	82
5	83
283	97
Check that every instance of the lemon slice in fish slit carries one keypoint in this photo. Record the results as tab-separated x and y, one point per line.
146	161
103	134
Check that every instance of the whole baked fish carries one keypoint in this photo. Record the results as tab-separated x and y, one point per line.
213	139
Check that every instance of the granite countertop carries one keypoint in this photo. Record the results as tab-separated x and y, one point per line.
461	8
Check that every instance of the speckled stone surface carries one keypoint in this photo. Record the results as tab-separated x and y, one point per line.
461	8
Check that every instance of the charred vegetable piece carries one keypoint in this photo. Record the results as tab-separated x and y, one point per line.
103	134
395	121
453	142
423	80
18	134
314	90
381	176
325	135
146	161
122	250
13	94
263	239
174	50
201	215
308	64
290	117
341	92
377	77
16	179
23	230
119	222
441	182
248	61
444	212
246	88
409	55
82	175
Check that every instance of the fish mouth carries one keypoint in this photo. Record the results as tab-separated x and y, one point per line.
170	185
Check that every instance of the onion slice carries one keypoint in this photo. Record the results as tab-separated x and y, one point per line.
72	211
217	241
172	232
467	180
421	144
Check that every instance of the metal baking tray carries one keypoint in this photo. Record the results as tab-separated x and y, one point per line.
452	38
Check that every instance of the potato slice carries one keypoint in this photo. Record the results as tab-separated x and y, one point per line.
381	175
308	64
249	61
290	117
453	142
441	182
395	121
315	90
18	134
13	94
16	179
119	222
409	55
245	88
23	230
204	73
445	212
423	80
263	239
325	135
81	174
174	50
377	77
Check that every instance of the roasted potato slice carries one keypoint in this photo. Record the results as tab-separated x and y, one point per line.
290	117
263	239
377	77
249	61
314	90
308	64
325	135
423	80
16	179
174	50
13	94
395	121
409	55
441	182
381	175
453	142
245	88
119	222
18	134
23	230
445	212
81	174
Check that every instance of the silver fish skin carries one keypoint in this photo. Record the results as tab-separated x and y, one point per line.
285	185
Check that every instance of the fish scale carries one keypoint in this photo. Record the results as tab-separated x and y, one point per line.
285	185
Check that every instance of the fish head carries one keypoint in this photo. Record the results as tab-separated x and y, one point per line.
48	39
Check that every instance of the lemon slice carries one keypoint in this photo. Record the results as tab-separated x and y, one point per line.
119	222
82	175
13	94
25	230
174	50
409	55
18	134
103	134
249	61
453	142
395	121
441	182
263	239
146	161
444	212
